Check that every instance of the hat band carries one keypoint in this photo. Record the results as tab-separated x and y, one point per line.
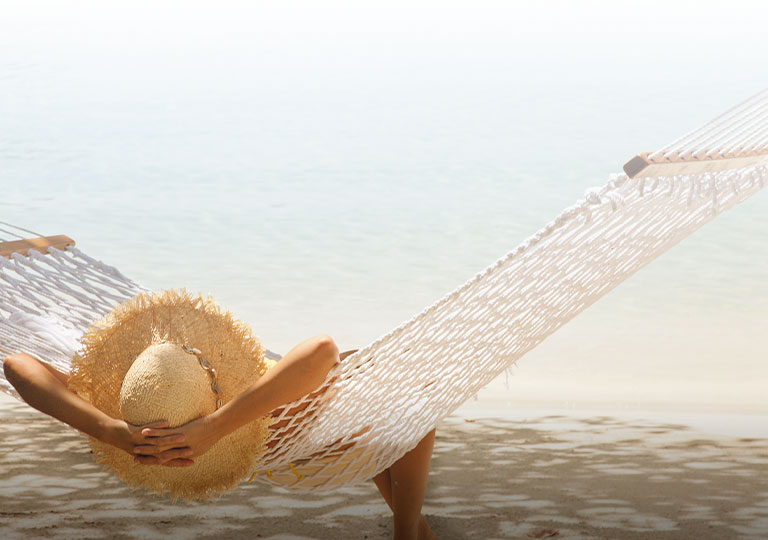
206	365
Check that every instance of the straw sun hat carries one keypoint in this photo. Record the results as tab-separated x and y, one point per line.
162	357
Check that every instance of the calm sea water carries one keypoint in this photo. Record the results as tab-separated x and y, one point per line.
338	170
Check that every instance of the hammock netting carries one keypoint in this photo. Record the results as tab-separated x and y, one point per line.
379	403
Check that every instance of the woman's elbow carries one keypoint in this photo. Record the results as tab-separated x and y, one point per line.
13	367
325	344
325	350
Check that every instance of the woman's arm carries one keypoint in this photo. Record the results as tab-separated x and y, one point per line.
45	389
298	373
302	370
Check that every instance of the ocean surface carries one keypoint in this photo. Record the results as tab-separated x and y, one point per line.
338	169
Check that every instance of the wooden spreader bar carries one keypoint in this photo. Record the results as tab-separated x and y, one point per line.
40	244
641	166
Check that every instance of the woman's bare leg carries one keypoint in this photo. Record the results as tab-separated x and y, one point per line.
403	486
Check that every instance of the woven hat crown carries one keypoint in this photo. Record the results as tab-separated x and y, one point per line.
165	383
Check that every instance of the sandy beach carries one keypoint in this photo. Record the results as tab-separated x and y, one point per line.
549	477
357	169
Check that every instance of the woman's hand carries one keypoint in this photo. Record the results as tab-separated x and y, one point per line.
151	444
157	444
300	372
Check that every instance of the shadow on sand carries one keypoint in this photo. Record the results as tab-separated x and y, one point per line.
597	478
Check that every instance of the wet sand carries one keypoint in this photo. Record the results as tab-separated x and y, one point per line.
550	477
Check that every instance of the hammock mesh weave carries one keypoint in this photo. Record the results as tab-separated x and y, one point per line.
381	401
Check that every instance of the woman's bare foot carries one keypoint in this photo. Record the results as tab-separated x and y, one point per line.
422	532
425	533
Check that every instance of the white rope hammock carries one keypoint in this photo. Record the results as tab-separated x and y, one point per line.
381	401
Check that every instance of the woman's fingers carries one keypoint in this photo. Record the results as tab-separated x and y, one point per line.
146	449
152	455
158	424
164	452
156	431
159	441
174	453
175	439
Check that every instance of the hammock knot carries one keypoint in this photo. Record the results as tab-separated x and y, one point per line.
592	195
617	180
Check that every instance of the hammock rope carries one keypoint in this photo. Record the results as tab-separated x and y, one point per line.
379	403
745	123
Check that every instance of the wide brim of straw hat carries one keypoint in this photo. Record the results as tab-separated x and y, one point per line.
112	344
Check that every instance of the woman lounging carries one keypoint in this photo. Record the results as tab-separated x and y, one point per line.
176	397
